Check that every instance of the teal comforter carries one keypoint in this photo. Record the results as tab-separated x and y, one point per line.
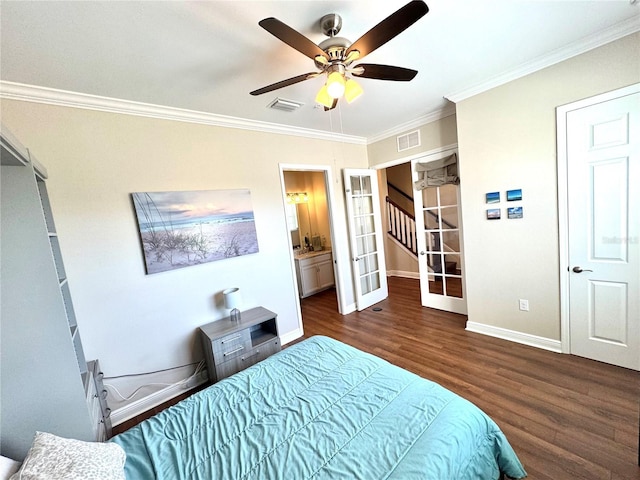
324	410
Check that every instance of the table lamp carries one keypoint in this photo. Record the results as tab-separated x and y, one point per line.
232	301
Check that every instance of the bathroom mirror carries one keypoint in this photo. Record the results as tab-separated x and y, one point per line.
304	223
299	223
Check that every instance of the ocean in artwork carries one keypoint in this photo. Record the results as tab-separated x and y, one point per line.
180	229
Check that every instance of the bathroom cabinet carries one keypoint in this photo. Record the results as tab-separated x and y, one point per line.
315	272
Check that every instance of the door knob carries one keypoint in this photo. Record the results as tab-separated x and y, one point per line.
422	253
580	270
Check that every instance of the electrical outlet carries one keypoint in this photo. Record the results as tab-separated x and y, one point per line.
524	305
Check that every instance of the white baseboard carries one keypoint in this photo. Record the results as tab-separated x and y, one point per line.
400	273
291	336
518	337
144	404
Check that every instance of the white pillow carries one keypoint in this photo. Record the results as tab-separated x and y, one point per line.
8	467
56	458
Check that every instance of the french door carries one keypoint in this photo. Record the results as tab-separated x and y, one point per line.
439	241
366	237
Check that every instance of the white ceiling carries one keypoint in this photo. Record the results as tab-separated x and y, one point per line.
207	56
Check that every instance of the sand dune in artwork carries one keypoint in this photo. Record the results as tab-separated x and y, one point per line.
167	249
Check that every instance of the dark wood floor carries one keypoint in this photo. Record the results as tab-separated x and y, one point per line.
566	417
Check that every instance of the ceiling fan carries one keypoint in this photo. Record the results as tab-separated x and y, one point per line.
335	55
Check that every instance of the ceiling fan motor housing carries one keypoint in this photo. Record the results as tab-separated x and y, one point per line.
331	24
333	46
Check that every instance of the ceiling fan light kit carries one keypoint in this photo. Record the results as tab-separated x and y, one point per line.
352	90
323	97
335	84
334	56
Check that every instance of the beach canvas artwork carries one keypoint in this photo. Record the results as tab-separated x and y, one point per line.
180	229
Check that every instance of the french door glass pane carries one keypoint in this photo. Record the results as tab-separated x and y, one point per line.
429	197
451	239
362	205
368	264
366	244
365	286
451	261
364	224
431	219
368	283
360	185
434	261
363	265
449	217
434	241
448	195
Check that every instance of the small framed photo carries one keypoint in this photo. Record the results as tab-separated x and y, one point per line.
514	212
493	197
514	195
493	214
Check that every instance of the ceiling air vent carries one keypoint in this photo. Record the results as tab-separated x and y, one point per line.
285	105
408	140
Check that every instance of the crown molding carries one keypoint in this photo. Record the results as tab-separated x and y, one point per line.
51	96
608	35
413	124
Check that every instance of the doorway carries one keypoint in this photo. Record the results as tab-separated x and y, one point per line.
314	239
599	207
425	231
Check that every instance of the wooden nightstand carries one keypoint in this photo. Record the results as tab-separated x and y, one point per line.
230	346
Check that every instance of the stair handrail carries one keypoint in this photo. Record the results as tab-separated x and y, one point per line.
410	198
407	213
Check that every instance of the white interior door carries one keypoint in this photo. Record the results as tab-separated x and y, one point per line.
603	207
439	241
365	235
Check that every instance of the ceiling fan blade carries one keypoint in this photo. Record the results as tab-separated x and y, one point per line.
384	72
334	105
292	38
285	83
388	28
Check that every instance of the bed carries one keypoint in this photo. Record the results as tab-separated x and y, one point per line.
320	409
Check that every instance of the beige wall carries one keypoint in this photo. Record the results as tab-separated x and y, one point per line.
507	140
432	136
135	322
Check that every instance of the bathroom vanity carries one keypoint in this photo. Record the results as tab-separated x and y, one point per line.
314	271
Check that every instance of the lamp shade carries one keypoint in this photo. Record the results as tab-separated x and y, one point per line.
335	84
232	298
323	97
352	90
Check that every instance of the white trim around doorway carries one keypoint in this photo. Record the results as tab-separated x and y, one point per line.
338	234
563	200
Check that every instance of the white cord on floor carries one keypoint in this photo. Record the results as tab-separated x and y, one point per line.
199	368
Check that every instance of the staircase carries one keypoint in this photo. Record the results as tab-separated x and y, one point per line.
402	228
